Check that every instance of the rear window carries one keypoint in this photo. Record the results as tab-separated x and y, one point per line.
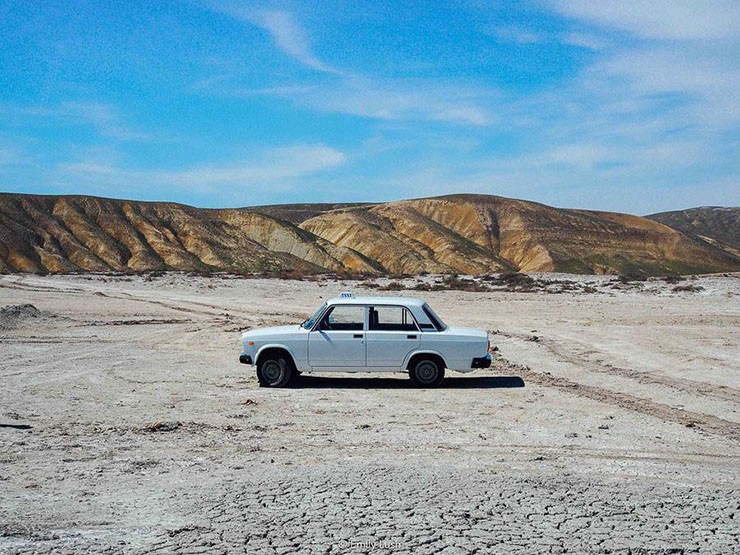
437	323
391	318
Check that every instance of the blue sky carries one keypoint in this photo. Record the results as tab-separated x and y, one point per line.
629	106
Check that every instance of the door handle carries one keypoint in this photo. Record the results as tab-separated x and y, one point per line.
410	337
358	336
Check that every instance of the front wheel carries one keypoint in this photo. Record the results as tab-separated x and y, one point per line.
274	372
427	373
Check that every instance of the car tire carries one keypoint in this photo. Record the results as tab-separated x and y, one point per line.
427	372
274	372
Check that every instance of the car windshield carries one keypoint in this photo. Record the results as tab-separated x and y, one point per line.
309	323
436	321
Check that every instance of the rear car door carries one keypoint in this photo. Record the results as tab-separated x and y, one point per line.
338	341
392	334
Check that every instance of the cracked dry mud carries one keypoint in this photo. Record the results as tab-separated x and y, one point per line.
127	426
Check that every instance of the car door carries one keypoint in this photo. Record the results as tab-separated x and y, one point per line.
392	334
338	341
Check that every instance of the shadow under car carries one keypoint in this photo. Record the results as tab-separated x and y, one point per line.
350	382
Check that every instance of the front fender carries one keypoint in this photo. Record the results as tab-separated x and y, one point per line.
272	346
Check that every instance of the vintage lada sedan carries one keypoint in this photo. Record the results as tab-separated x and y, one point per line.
366	334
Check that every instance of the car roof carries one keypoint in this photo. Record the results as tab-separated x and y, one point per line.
402	301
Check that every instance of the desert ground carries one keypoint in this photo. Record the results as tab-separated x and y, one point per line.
608	423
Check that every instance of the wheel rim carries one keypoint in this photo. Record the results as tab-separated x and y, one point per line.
427	372
271	371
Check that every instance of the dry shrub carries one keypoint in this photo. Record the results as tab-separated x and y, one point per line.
392	286
689	288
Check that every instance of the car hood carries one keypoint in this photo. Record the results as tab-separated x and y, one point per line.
275	330
467	332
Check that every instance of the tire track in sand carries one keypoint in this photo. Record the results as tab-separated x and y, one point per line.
704	422
645	378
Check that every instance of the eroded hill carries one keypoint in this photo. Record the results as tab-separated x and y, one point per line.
469	234
717	225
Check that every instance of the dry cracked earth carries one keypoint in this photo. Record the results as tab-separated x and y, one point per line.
608	424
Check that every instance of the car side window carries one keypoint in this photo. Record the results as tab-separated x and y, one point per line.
391	318
344	318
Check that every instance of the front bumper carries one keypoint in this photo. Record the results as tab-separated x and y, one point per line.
245	359
482	362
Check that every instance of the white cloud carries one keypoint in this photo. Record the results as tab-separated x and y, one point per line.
625	177
9	156
288	36
524	36
275	165
104	118
708	81
519	35
646	114
275	168
660	19
92	169
389	99
414	100
353	93
584	40
291	38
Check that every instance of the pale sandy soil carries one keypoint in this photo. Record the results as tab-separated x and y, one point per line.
609	423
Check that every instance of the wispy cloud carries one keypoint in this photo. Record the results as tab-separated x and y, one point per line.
524	36
391	100
583	40
273	166
104	118
569	102
290	37
276	168
354	93
518	35
660	19
703	79
576	175
9	156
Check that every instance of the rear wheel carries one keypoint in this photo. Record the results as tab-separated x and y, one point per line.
274	371
427	372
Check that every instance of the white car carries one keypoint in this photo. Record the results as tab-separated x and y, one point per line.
366	334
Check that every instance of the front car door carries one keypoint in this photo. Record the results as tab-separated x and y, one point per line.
392	334
338	340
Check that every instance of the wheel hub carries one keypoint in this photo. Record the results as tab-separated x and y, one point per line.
271	371
426	372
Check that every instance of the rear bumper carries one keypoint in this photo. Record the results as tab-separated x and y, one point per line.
245	359
482	362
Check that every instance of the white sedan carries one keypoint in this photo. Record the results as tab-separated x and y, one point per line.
366	334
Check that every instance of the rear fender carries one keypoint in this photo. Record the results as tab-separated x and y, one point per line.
422	352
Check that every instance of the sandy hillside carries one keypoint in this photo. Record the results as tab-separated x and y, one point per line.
608	423
465	234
